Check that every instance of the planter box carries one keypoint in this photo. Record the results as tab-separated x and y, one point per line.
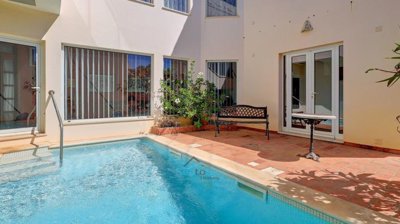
173	130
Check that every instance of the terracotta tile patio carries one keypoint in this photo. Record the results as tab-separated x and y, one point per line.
365	177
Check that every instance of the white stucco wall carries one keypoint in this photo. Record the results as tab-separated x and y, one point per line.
120	25
222	39
368	30
256	39
129	26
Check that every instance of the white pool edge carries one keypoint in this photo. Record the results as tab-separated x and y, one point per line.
319	201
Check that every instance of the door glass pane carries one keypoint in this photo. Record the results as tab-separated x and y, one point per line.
284	92
341	89
323	88
298	89
17	76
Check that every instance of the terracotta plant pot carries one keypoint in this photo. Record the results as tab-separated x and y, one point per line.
174	130
183	121
204	122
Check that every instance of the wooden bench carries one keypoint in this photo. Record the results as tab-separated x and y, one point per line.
242	114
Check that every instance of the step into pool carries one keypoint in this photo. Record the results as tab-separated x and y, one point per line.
139	181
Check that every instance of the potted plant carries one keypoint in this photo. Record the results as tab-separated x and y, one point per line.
171	102
193	99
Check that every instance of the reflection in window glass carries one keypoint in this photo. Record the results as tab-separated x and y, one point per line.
223	75
175	72
17	77
148	1
103	84
221	8
178	5
299	83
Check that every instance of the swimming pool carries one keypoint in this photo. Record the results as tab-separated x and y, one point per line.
139	181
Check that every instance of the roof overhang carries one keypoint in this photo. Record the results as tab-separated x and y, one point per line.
51	6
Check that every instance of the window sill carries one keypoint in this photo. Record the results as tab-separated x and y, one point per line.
176	11
144	3
220	17
107	120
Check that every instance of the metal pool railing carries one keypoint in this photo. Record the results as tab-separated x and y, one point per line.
60	122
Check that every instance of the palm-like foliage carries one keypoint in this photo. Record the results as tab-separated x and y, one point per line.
395	72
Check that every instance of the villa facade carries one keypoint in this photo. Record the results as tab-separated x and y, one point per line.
105	59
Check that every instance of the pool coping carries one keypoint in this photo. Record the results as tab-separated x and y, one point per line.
301	195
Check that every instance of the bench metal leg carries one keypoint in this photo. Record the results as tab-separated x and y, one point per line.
267	130
216	128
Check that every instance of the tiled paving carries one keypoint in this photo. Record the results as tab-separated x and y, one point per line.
365	177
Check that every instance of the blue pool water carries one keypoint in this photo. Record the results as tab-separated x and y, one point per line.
138	181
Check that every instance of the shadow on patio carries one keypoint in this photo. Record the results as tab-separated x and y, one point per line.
363	189
285	147
365	177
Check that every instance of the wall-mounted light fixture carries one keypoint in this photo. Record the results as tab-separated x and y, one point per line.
307	27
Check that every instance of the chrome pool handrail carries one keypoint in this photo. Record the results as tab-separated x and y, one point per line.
60	122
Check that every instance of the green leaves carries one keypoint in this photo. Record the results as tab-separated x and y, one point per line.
397	49
395	73
193	97
391	80
371	69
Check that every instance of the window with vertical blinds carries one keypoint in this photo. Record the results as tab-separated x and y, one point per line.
175	72
221	8
223	75
178	5
104	84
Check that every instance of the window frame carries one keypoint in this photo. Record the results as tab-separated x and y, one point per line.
39	127
151	3
104	120
225	61
188	62
189	6
222	16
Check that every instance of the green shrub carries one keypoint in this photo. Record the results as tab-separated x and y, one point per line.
193	98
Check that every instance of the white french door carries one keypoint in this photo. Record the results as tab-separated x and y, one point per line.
19	85
313	80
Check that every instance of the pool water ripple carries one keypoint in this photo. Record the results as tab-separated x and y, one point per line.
137	181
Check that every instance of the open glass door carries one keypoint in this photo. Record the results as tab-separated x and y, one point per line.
18	81
297	89
313	86
321	94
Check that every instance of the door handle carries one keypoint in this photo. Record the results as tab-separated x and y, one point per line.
36	88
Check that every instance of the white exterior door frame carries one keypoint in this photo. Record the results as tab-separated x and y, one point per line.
310	91
38	84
